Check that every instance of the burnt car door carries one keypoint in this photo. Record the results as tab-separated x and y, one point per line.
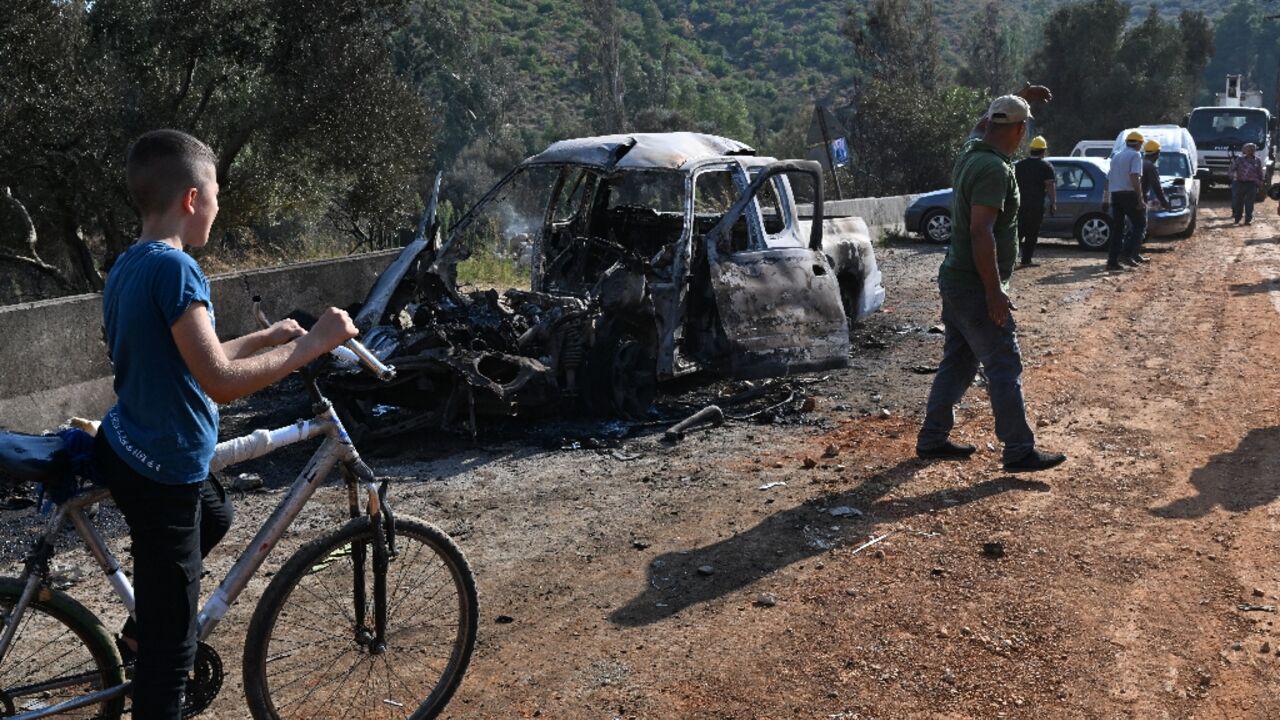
778	302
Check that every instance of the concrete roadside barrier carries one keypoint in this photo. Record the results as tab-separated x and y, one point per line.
882	214
53	362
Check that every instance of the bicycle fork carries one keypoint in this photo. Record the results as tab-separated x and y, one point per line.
382	523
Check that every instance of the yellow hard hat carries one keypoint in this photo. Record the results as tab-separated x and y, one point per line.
1133	136
1151	146
1038	143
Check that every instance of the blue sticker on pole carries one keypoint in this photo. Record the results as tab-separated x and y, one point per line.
839	152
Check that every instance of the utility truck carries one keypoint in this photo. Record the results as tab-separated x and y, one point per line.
1221	130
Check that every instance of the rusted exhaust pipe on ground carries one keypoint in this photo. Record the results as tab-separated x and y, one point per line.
709	414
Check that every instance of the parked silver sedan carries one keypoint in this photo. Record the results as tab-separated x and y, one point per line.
1081	182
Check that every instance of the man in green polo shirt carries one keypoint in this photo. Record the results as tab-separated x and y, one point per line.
974	283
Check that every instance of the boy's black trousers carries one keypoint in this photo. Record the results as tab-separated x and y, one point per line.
172	527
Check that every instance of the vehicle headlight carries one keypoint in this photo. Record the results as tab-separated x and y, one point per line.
1177	201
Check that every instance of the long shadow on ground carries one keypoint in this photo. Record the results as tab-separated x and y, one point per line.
1238	481
674	583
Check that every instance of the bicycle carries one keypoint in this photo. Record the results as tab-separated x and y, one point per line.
375	619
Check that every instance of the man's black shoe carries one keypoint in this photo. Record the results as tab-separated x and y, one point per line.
1139	259
1114	266
1035	461
946	451
1030	263
1129	262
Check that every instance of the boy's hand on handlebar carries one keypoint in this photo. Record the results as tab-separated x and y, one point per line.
332	329
283	331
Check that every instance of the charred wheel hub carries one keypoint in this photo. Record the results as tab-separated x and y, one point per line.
632	384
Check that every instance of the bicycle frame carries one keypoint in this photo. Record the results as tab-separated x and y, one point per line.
337	449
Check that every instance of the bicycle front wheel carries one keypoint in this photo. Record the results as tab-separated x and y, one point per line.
59	653
310	651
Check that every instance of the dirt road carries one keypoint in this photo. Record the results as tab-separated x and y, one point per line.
1118	592
663	582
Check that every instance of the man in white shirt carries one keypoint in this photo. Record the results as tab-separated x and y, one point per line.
1124	193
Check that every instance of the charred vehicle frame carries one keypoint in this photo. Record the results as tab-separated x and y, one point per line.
651	257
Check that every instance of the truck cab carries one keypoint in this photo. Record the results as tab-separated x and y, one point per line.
1221	130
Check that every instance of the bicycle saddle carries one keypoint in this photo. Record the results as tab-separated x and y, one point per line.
31	458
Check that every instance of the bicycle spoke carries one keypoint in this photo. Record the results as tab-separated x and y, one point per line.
364	684
333	602
317	685
308	670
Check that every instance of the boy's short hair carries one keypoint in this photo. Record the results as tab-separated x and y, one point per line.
162	164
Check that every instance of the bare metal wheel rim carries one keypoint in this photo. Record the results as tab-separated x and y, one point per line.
938	228
1095	232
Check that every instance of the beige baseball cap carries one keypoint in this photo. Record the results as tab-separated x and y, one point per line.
1008	110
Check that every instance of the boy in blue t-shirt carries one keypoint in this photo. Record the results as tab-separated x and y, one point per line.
171	370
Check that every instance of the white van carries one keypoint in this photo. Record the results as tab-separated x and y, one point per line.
1100	149
1180	175
1171	138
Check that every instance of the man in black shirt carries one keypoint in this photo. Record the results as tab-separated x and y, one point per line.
1151	189
1035	181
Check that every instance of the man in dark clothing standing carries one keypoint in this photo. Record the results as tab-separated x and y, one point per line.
1151	189
1124	198
973	282
1035	181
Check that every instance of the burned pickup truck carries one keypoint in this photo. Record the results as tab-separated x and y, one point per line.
648	257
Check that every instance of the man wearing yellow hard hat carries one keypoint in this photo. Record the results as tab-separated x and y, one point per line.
1035	182
1151	189
1124	192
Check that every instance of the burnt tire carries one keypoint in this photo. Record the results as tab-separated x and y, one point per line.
936	227
1094	231
850	294
621	375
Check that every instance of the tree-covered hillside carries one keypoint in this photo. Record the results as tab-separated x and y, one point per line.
762	58
330	117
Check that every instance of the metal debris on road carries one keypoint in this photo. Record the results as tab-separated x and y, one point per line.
870	542
1250	607
710	414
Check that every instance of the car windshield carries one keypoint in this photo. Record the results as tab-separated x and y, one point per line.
1098	152
1229	126
1174	164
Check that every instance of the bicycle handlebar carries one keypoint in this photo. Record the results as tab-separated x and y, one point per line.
352	352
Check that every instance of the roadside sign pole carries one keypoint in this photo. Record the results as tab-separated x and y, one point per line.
826	144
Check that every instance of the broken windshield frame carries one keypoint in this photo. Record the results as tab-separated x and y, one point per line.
770	171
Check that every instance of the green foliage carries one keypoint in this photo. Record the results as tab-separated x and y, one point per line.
908	123
299	100
327	115
993	50
908	142
1246	44
486	269
1107	75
